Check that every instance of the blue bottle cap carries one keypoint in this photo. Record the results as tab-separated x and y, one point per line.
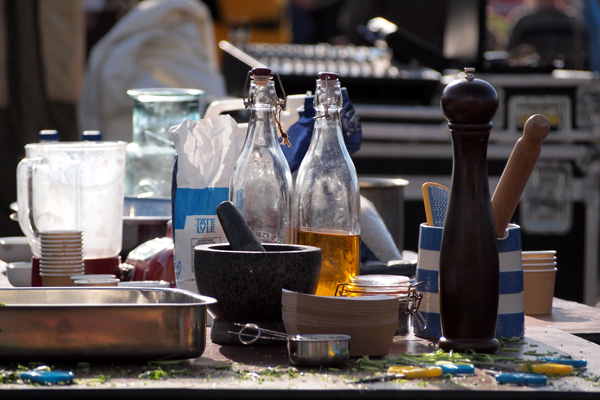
91	136
48	135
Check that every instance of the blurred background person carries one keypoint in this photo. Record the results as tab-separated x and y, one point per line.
42	58
314	21
157	44
551	30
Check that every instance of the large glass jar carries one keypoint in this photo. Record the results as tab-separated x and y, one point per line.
327	197
150	155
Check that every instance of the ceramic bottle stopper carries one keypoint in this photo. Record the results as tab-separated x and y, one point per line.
469	267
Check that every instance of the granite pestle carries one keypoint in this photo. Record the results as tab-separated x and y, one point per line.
238	233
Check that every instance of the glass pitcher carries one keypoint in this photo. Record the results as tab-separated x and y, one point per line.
73	186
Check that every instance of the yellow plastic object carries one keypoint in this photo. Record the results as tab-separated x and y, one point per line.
548	369
412	372
435	198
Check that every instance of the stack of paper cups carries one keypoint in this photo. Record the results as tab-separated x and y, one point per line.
61	257
539	275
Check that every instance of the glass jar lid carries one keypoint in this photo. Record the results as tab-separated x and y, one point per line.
378	284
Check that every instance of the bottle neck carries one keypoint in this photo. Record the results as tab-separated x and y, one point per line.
328	97
328	130
328	106
261	125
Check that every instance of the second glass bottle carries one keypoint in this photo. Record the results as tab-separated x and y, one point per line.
327	196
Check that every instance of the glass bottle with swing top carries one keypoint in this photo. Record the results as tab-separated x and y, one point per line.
327	198
261	182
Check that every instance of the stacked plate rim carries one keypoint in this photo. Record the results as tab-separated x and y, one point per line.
370	321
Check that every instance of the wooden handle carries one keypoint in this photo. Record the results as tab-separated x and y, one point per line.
517	171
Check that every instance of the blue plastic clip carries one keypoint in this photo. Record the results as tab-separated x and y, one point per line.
522	378
48	376
575	362
457	368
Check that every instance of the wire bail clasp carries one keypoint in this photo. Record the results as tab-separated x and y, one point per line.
326	115
280	104
413	302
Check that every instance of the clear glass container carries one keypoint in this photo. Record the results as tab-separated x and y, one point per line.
261	182
389	285
327	197
150	154
372	285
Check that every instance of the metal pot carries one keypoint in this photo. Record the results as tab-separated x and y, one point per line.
144	219
387	195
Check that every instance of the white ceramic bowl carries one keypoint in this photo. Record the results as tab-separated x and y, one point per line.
14	248
19	273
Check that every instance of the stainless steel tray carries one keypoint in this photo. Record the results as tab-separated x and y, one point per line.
110	323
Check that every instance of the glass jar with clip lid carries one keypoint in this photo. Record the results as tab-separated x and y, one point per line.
389	285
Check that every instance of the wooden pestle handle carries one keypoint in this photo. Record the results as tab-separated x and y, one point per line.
514	178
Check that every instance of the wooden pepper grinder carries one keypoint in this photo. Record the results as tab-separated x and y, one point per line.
469	268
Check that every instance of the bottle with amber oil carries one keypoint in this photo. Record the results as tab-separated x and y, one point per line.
327	199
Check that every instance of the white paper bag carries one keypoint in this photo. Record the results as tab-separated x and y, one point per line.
206	151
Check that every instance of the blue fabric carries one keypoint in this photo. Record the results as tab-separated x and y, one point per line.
300	133
591	14
351	128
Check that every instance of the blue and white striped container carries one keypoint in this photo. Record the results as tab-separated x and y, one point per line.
511	316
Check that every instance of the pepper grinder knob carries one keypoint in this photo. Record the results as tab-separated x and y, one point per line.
469	101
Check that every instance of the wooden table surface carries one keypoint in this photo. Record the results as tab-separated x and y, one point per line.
568	316
265	371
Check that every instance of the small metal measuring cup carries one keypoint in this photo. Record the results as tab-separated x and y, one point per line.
310	350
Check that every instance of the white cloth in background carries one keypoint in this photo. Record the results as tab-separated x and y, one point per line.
375	234
159	43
